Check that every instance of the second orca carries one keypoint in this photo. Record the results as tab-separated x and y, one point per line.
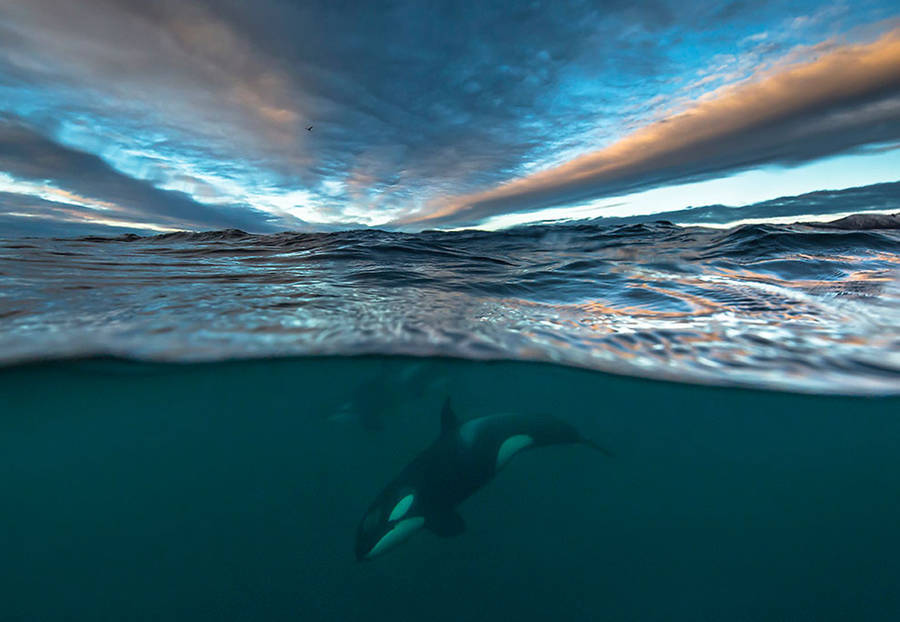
463	459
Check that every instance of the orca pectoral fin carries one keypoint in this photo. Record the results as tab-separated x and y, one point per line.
602	450
445	524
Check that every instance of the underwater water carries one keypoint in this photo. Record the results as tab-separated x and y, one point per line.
233	490
192	426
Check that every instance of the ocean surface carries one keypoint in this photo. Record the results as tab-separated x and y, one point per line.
193	425
799	308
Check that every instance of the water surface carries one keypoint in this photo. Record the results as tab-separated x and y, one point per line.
796	307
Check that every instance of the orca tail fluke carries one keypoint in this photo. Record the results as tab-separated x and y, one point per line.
597	447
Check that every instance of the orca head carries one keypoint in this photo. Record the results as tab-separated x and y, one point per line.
393	518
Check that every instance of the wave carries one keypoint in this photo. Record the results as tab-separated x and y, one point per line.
798	307
865	221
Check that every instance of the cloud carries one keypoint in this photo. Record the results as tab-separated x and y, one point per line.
49	178
846	98
875	198
175	60
411	102
30	216
418	100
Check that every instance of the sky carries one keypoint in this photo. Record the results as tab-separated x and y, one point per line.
156	116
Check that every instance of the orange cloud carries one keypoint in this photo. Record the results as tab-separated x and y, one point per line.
848	97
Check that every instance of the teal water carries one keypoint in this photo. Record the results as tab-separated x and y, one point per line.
232	491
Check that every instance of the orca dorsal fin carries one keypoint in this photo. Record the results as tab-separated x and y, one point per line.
449	420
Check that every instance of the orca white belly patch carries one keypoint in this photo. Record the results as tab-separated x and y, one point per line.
510	447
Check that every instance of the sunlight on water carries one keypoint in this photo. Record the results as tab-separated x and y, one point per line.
794	307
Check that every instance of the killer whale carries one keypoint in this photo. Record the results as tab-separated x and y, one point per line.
463	458
372	402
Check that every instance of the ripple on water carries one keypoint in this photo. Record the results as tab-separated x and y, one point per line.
788	307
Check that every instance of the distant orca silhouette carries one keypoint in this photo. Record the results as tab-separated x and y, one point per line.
368	404
372	402
309	129
463	459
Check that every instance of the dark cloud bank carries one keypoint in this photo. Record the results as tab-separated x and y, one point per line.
27	155
874	198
